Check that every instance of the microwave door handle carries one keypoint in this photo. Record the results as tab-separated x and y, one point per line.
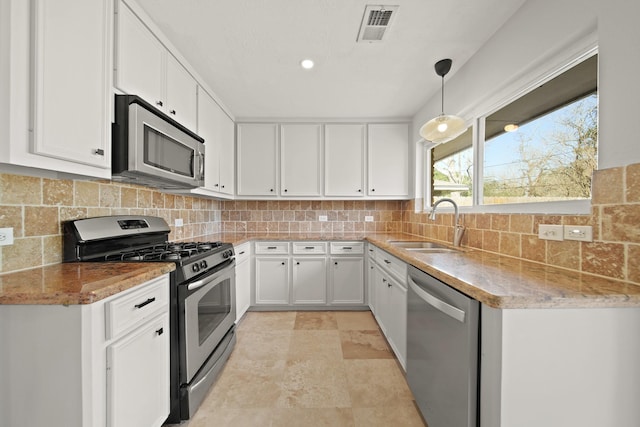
201	155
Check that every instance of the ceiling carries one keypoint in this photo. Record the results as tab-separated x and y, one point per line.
249	51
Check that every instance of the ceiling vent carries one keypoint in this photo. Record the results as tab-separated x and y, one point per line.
376	21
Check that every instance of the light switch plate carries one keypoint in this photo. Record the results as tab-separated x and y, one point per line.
178	222
550	232
322	218
368	218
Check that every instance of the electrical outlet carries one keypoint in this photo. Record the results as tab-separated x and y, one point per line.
583	233
550	232
178	222
323	218
368	218
6	236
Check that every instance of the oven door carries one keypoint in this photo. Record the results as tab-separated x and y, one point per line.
208	307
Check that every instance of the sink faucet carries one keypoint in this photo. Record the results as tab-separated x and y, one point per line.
458	230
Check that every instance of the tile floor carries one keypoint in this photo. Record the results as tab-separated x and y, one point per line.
309	369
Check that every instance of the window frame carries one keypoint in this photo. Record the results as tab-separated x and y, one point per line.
570	207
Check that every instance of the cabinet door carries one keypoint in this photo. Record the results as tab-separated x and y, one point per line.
310	280
72	57
243	288
388	160
208	128
397	320
140	59
181	94
227	154
371	287
347	280
138	376
344	157
272	280
257	162
300	147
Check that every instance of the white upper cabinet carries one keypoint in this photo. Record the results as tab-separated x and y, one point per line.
300	155
217	129
140	57
57	107
388	154
181	94
144	67
344	159
257	159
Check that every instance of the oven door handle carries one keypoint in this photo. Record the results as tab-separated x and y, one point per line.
200	283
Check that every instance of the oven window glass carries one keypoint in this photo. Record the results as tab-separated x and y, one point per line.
213	308
166	153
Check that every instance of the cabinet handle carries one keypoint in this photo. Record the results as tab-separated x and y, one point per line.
285	190
223	186
371	267
389	284
282	262
347	248
336	263
147	302
384	280
308	247
298	263
241	253
386	261
359	190
272	247
271	190
159	103
215	185
373	189
99	151
172	112
160	331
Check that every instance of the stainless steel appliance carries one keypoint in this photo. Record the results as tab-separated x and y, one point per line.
202	316
442	351
150	148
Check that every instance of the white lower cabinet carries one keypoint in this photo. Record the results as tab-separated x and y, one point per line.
347	280
302	274
388	278
272	280
87	365
243	279
137	380
309	280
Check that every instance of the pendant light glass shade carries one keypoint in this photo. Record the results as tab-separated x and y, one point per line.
445	127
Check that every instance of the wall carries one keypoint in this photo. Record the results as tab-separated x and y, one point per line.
540	37
35	208
615	215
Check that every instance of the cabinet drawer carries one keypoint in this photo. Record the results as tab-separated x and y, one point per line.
243	252
347	247
266	248
309	248
132	309
392	265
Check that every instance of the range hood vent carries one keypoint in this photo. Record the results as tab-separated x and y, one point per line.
376	20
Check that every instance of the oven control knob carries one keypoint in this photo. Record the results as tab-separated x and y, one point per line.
226	254
195	268
203	264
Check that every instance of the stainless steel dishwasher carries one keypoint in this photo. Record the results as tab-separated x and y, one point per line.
442	351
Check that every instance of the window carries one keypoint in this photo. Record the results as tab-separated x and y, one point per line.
542	147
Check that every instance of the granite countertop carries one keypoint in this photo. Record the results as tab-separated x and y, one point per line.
76	283
495	280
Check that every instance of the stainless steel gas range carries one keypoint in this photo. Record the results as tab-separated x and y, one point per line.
202	294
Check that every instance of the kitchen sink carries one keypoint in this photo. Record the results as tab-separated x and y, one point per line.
422	247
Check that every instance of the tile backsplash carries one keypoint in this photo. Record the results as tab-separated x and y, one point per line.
35	207
615	218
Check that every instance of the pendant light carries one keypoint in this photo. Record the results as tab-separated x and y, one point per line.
445	127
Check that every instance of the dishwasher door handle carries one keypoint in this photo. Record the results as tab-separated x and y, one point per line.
436	303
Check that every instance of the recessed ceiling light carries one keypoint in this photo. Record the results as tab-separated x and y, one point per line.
511	127
307	64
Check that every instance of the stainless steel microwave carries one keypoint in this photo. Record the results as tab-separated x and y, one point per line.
150	148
